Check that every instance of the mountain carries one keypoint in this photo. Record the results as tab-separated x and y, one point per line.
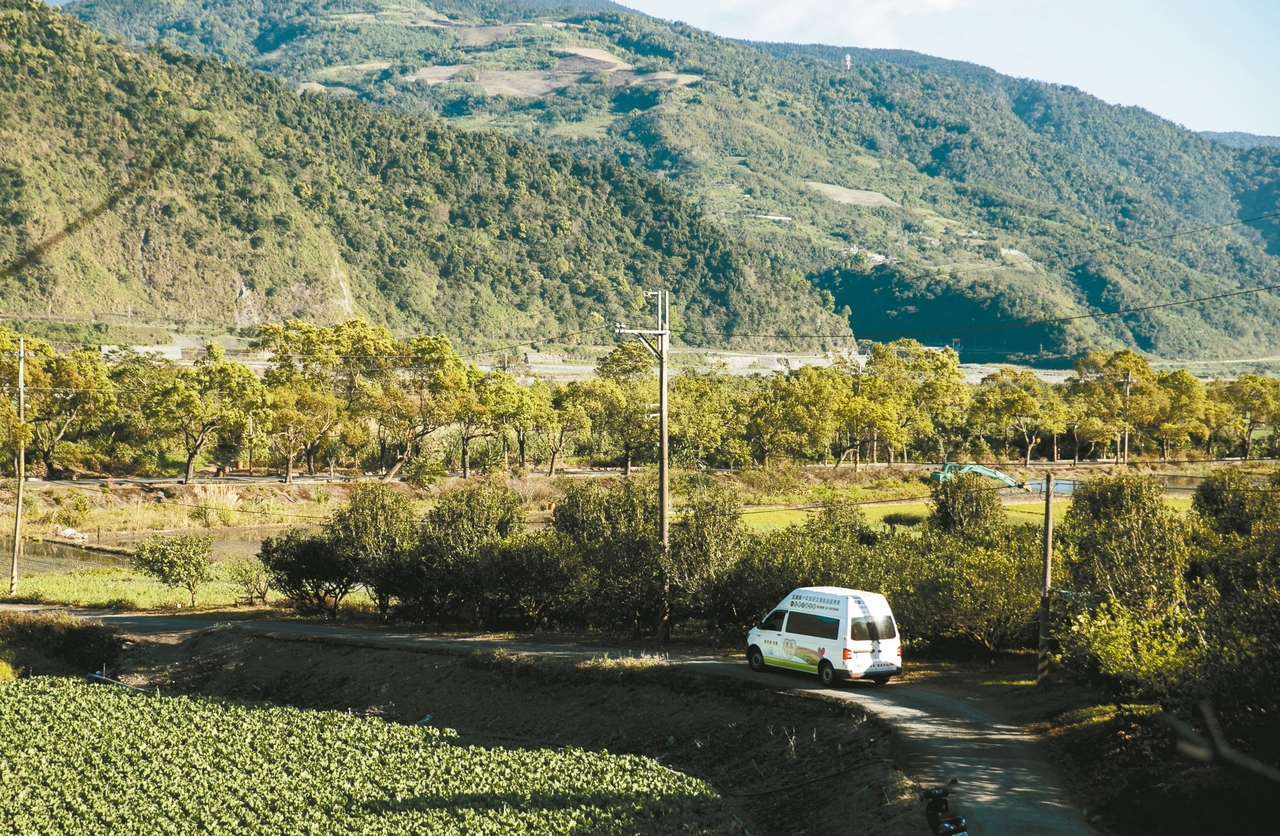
1239	139
928	196
196	191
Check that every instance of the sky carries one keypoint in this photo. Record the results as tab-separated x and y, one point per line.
1210	65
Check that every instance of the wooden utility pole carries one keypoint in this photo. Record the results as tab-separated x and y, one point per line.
1042	670
658	341
20	468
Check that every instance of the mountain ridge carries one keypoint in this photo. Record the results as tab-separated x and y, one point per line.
908	188
279	205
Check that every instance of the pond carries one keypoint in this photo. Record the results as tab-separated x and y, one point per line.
43	557
40	557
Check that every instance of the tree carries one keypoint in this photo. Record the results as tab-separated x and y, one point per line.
1126	544
74	394
425	397
706	415
1255	400
568	420
377	532
300	418
624	399
1184	409
967	503
213	397
309	571
1010	401
795	413
182	562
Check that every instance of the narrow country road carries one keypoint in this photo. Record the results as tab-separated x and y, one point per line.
1007	786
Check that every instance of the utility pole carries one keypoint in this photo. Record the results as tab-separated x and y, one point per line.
20	468
1042	670
658	341
1128	384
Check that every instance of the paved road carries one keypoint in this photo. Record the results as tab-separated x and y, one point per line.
1007	785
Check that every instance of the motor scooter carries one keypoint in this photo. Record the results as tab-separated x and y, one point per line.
938	812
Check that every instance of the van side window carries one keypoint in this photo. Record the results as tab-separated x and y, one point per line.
885	628
860	629
818	626
774	621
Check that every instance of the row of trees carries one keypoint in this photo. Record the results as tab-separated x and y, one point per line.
353	395
1156	604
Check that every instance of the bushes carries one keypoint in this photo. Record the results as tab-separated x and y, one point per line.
309	571
55	643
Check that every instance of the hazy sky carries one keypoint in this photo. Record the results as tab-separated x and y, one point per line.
1207	64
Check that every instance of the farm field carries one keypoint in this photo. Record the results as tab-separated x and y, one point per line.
132	762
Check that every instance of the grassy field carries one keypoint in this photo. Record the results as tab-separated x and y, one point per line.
91	759
121	588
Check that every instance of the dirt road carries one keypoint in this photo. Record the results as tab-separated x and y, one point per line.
1007	784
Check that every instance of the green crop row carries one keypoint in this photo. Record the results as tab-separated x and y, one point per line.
77	758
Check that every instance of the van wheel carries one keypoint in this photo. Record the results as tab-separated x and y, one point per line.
827	674
755	659
880	680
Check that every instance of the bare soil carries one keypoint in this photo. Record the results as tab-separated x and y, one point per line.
787	762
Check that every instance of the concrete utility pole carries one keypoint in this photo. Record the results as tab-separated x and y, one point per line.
20	468
1042	670
658	341
1128	384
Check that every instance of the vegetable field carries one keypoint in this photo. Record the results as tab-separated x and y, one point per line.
77	758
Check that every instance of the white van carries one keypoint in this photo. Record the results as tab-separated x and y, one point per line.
834	632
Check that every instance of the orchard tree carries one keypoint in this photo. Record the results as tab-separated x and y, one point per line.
377	532
183	562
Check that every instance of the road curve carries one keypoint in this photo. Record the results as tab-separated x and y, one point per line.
1007	785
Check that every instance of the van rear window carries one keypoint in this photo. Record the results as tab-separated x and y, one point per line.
818	626
885	627
867	628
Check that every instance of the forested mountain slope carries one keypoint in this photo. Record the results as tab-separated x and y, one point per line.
266	204
1240	139
928	195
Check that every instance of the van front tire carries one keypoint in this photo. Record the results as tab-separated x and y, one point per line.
827	674
755	658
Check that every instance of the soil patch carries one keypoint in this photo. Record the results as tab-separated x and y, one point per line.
769	753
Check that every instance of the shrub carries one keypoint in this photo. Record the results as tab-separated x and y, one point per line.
182	562
614	528
308	571
966	503
55	643
1124	543
443	580
1225	500
1128	654
377	532
251	575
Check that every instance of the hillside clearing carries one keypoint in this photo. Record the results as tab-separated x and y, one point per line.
851	197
